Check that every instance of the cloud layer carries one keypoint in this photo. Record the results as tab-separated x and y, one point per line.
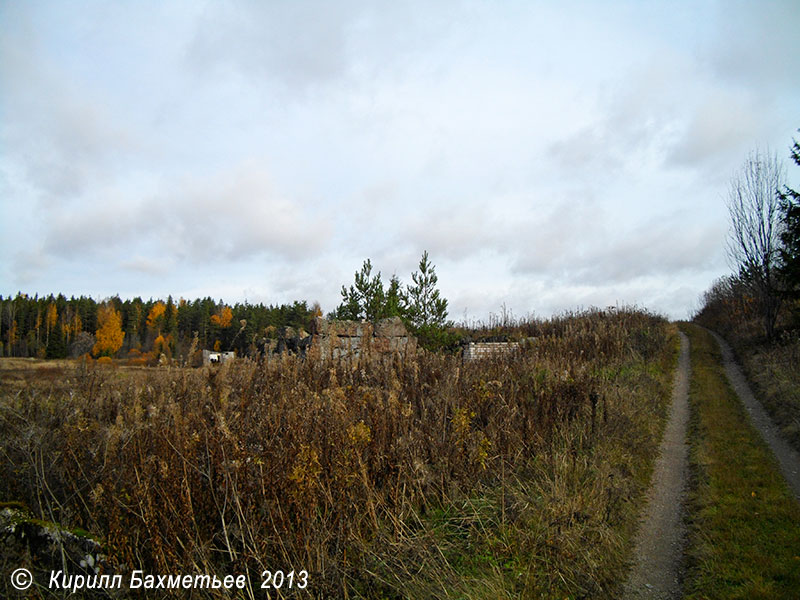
547	157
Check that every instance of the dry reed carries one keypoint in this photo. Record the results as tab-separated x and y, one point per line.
390	477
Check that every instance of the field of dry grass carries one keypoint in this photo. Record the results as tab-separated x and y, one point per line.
416	477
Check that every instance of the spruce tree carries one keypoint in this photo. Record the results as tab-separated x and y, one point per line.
790	236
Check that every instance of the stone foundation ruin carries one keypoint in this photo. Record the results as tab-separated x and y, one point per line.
346	339
350	339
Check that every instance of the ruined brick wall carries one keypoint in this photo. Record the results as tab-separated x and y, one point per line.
477	350
335	339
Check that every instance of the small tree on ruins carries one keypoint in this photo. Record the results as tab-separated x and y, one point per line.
426	307
364	299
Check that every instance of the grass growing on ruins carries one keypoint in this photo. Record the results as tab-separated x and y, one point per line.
394	477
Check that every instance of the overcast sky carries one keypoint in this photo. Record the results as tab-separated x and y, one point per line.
548	155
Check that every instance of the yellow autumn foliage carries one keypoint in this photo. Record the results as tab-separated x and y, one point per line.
155	318
109	334
224	318
52	316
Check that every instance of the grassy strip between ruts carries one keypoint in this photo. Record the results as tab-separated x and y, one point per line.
744	539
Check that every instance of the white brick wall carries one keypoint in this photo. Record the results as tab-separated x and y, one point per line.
476	350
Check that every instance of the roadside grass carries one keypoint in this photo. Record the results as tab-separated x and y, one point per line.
773	371
744	530
770	367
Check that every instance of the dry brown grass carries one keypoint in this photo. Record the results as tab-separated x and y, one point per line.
771	367
416	477
774	371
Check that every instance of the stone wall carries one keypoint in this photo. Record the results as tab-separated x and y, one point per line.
336	339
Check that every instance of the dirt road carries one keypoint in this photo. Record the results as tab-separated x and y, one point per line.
788	457
662	532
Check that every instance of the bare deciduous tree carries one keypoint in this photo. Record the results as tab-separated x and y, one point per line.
754	239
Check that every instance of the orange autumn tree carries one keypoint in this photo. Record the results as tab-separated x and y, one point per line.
109	334
223	318
155	318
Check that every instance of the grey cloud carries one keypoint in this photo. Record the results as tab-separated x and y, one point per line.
146	265
228	216
633	125
61	136
676	301
655	249
536	226
74	229
385	131
240	214
719	129
298	44
750	68
553	241
659	248
533	236
306	46
27	265
757	46
666	111
456	231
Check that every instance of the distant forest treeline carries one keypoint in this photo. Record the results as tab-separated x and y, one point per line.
60	327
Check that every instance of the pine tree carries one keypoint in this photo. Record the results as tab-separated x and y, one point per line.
425	305
364	299
395	303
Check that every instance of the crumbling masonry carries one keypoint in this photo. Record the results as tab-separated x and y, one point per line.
346	339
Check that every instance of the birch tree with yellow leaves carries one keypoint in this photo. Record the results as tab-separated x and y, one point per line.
109	334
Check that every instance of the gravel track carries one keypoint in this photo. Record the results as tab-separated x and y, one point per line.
662	531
